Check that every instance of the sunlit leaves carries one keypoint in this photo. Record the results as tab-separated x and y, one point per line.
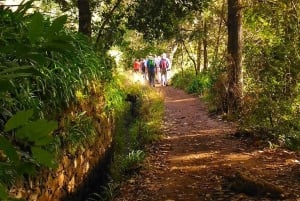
271	61
42	59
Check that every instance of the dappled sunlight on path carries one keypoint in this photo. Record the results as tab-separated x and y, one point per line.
198	153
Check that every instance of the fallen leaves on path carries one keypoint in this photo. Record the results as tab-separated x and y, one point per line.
199	153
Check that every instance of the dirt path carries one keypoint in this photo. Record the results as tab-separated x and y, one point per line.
198	153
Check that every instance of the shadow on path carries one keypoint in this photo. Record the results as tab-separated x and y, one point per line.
197	153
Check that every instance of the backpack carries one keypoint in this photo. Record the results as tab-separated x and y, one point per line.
163	65
143	66
151	64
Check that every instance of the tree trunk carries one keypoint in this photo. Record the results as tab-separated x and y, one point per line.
199	47
219	32
182	59
235	75
173	51
205	57
85	17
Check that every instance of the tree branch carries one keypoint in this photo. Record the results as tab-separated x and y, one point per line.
106	20
190	56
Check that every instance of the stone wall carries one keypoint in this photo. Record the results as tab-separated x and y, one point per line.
75	174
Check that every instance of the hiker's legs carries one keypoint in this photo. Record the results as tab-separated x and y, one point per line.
158	75
151	78
166	78
163	78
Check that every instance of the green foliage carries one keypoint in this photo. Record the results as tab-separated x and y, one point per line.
42	66
200	84
158	19
114	96
42	59
78	131
183	79
32	135
109	191
136	129
49	62
271	61
132	161
192	83
211	85
25	146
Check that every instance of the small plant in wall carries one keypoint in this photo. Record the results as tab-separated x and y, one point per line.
108	192
132	162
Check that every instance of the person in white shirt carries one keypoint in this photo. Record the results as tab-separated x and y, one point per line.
157	68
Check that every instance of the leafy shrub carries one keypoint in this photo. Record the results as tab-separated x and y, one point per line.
210	84
191	83
183	79
271	83
199	84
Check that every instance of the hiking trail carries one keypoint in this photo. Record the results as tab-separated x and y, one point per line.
200	158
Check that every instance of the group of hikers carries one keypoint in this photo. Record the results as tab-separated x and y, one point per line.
154	69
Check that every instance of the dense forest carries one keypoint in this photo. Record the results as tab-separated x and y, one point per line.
64	68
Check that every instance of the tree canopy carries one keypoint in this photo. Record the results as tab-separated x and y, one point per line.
162	19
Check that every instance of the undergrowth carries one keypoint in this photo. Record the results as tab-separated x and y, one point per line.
138	122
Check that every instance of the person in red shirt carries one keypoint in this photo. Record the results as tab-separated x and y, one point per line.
136	66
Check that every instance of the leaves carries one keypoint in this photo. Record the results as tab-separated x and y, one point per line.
36	136
40	59
8	149
19	119
3	192
37	132
58	24
26	168
35	27
161	19
5	85
43	157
